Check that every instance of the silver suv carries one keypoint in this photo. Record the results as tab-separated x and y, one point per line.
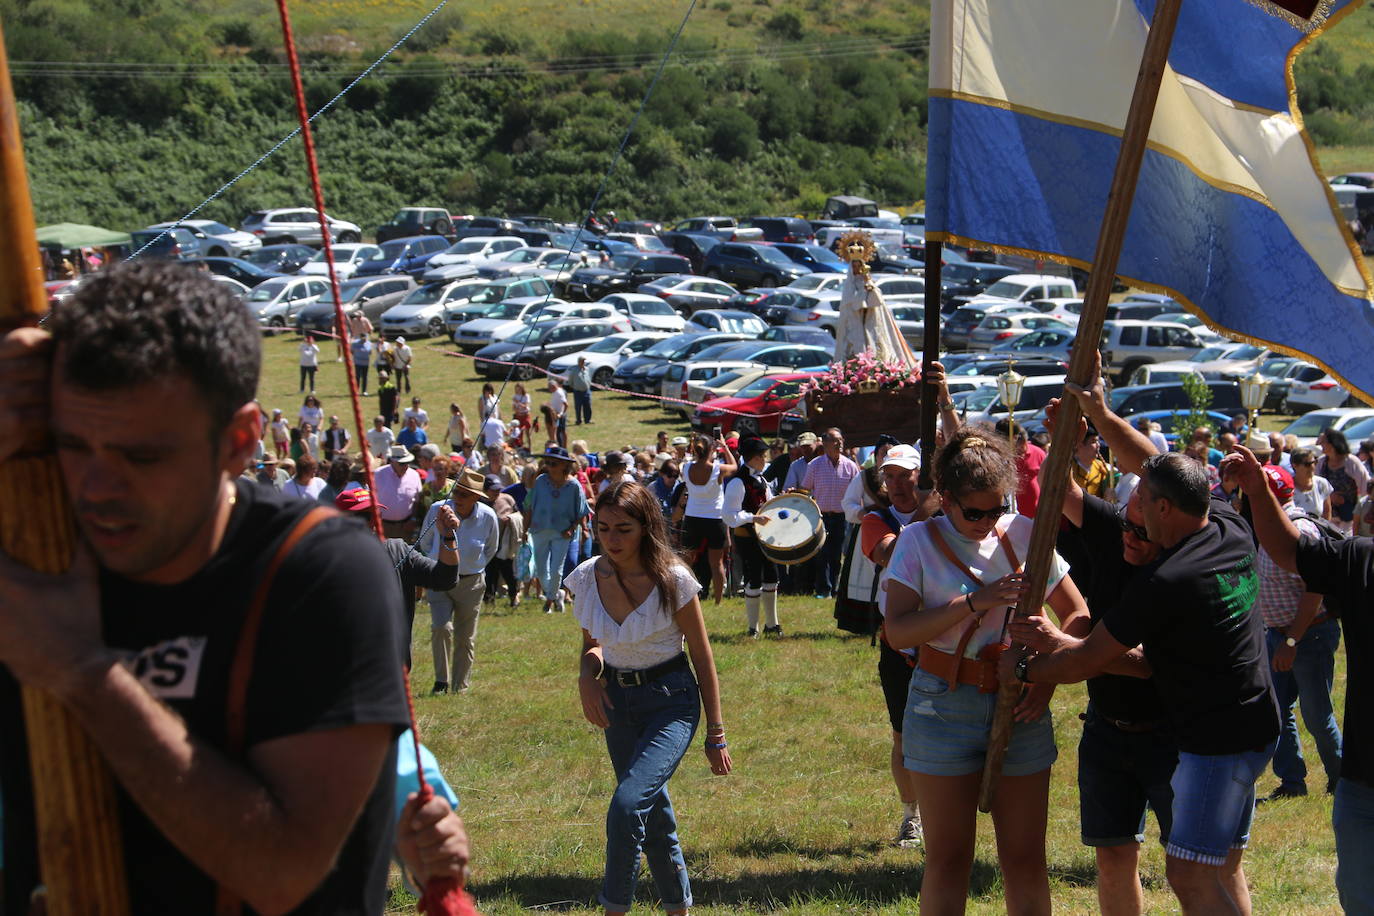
1127	345
298	224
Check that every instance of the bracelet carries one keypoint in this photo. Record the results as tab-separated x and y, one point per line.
945	405
716	747
711	725
968	599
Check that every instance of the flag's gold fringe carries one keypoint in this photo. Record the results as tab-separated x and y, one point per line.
1327	22
1306	25
1156	288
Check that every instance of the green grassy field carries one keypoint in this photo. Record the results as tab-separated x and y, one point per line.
802	825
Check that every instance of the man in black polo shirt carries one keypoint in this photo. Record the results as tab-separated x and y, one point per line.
138	639
1343	570
1192	613
1127	755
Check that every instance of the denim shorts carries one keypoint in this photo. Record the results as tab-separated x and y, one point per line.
945	731
1214	802
1120	776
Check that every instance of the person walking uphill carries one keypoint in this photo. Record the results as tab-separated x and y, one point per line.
554	509
637	603
745	493
580	384
297	815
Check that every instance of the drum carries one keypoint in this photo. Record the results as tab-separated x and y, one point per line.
794	532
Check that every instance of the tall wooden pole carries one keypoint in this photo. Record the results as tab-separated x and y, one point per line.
930	348
1055	478
79	846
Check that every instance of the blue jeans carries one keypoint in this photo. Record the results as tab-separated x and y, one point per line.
550	549
582	406
1308	683
828	560
1352	818
651	729
1214	803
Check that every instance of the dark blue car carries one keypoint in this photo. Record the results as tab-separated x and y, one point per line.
817	257
403	256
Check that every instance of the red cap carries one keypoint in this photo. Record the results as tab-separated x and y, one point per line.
1280	481
357	499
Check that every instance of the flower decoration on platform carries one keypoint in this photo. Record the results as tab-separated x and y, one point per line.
862	374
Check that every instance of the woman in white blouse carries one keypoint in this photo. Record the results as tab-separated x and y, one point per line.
637	603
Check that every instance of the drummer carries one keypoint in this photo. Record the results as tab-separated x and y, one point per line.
949	586
745	493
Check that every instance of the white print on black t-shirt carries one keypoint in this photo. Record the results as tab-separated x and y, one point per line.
170	670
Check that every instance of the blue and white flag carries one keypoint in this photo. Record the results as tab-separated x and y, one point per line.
1232	217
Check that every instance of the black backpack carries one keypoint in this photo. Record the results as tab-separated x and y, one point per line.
1335	604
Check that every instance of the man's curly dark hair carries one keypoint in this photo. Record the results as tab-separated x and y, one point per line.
144	320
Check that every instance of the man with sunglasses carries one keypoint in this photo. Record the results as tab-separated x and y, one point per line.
1192	613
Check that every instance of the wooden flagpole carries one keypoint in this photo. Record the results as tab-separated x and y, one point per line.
1054	481
930	348
79	846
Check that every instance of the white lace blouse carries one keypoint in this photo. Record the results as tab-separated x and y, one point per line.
648	636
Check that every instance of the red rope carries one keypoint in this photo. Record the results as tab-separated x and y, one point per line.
442	896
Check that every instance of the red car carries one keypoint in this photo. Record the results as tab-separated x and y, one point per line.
753	410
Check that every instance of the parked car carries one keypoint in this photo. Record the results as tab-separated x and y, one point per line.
412	221
239	289
694	246
898	288
501	322
1004	328
1024	288
687	293
961	282
960	326
1128	344
894	259
815	337
985	405
174	244
370	295
470	226
1066	309
707	320
1357	430
1279	370
748	264
539	345
245	272
848	207
1321	392
403	256
1143	309
643	241
1133	399
298	224
557	310
781	228
216	239
725	383
625	272
286	259
347	259
646	313
1049	343
753	409
788	306
1230	360
1315	422
633	373
677	379
607	353
485	295
725	224
470	251
421	312
820	282
274	303
554	264
1157	373
911	324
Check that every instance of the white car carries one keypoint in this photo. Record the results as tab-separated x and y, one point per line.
1321	393
608	352
1170	371
646	313
816	310
984	405
274	303
1232	361
640	241
216	239
511	316
558	310
421	312
1312	424
477	248
554	264
1001	329
347	259
1065	308
1026	288
239	289
816	283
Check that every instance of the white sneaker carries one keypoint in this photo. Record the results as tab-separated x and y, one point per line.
910	835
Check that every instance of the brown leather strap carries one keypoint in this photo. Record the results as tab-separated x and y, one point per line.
959	564
957	675
241	669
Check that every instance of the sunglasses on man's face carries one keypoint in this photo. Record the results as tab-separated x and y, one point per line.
1130	527
977	515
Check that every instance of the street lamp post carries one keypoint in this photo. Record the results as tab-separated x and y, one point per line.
1253	391
1009	386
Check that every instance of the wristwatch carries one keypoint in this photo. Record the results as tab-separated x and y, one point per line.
1290	642
1020	671
945	405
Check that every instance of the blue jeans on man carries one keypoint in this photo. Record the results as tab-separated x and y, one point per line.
582	405
828	565
1352	819
1309	684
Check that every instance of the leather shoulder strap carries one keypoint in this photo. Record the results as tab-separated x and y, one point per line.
943	545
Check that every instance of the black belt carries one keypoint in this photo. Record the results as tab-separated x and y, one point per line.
626	677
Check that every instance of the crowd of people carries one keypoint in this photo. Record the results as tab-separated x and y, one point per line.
1195	590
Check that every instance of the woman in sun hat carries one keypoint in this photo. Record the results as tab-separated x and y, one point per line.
555	508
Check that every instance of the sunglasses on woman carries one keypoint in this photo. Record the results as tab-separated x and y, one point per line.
977	515
1130	527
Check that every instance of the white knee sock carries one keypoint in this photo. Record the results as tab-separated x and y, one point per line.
770	606
751	607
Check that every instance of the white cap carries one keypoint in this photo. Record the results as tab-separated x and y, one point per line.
902	456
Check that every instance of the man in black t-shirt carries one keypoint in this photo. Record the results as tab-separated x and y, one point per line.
1192	613
1343	570
138	639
